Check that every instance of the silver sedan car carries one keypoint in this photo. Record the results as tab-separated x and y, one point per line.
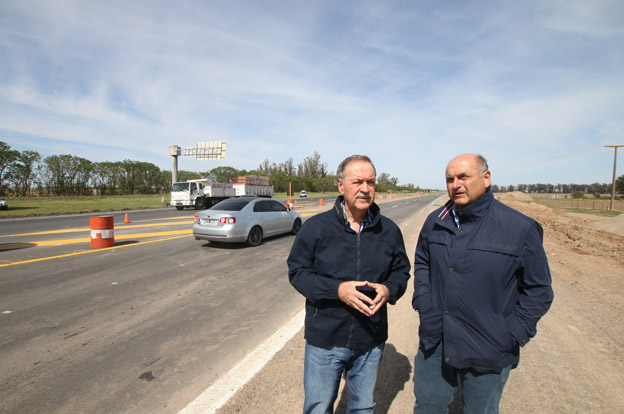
245	219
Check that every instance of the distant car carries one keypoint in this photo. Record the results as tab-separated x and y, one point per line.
3	204
303	193
245	219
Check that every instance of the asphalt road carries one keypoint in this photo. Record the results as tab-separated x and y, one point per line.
144	326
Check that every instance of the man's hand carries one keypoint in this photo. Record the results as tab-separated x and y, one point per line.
348	293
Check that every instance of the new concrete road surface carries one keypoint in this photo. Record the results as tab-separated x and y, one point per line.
144	326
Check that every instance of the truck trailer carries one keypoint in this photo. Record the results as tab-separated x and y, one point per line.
204	193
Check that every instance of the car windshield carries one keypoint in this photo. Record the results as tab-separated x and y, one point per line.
180	187
235	204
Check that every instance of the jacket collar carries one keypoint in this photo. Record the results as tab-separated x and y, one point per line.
472	212
476	210
374	211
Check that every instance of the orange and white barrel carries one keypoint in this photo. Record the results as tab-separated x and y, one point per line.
102	231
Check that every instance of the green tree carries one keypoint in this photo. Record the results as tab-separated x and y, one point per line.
22	173
7	158
224	174
184	175
312	167
67	174
138	177
149	178
383	179
165	181
107	178
619	185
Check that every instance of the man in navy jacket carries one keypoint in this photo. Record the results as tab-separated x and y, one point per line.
481	284
348	263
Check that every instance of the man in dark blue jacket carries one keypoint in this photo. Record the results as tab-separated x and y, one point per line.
348	263
481	284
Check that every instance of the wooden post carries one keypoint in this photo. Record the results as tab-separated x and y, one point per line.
615	147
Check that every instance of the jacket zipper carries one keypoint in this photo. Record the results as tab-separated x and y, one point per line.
357	278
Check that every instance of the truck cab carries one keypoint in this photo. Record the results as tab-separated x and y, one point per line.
188	194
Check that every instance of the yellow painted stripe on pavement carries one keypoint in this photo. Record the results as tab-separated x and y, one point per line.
88	239
87	229
41	259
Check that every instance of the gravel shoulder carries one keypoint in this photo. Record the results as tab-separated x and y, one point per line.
575	364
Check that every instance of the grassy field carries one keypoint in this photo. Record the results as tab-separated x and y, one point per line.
50	206
593	206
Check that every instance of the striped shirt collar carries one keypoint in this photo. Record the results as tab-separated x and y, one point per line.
364	223
450	207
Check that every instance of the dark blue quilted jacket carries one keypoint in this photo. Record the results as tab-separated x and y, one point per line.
327	252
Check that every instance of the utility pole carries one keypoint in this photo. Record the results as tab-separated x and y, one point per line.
615	147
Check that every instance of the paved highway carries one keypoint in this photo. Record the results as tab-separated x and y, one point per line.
144	326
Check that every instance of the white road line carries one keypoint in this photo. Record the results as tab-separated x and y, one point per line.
221	391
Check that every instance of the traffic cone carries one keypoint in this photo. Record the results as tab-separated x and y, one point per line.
126	220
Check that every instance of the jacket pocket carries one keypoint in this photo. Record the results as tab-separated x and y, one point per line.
440	237
430	318
499	248
502	336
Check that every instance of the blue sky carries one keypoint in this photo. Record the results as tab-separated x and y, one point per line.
537	87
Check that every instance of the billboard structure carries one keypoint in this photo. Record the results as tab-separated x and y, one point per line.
210	150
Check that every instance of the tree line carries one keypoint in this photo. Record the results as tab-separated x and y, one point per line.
595	188
26	173
312	175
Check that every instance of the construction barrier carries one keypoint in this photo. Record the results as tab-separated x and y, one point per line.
321	202
102	231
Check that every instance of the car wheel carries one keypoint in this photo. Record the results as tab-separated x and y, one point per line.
255	236
179	207
296	226
198	204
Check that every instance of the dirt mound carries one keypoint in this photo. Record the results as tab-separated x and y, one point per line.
514	196
586	234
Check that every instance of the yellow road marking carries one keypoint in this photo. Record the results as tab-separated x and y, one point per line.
41	259
88	239
176	233
87	229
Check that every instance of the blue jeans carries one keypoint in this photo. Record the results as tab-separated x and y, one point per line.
321	378
435	384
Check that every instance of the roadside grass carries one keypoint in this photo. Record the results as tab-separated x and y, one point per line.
600	209
52	206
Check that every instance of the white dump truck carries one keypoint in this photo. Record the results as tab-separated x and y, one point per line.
204	193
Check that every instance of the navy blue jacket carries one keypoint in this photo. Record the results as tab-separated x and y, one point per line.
327	252
483	287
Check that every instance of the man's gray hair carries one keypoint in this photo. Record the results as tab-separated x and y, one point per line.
346	161
482	164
